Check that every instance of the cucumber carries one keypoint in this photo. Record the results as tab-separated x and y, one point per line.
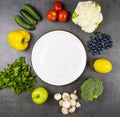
19	20
28	17
32	11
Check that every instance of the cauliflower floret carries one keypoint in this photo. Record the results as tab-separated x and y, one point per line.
89	28
87	15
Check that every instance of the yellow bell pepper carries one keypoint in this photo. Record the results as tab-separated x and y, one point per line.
19	39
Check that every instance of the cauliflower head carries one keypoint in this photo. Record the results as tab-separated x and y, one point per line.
87	15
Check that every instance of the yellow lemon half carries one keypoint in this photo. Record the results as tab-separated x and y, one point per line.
102	65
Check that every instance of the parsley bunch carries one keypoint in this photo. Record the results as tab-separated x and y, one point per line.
18	77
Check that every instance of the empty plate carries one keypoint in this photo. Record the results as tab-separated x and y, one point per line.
58	57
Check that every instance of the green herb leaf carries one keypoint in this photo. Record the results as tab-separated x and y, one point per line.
18	77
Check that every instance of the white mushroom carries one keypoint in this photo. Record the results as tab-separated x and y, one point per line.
61	103
72	102
72	109
78	105
66	104
57	96
64	111
73	96
65	96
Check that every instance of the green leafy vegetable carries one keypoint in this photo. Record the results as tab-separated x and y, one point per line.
74	15
92	88
96	4
18	77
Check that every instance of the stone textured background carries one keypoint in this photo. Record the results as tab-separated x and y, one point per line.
108	105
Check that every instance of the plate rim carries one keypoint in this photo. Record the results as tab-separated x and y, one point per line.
59	85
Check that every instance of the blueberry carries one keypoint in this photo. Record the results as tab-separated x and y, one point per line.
93	53
107	41
102	43
104	39
89	42
104	35
99	42
93	44
106	47
97	38
109	37
99	53
100	37
93	48
90	46
111	42
94	41
98	33
92	37
99	48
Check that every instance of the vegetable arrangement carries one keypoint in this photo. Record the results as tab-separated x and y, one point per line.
32	11
18	77
91	89
87	15
28	17
58	13
19	39
102	66
31	16
99	42
21	22
68	102
39	95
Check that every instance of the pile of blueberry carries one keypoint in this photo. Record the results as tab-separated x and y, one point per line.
99	42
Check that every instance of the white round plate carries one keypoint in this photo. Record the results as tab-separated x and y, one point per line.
58	57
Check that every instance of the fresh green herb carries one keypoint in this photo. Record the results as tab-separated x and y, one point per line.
18	77
92	88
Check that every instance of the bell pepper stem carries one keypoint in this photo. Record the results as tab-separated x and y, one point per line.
24	40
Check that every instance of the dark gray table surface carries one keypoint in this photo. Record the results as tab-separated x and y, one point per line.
108	105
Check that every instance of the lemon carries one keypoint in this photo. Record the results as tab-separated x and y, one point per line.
102	66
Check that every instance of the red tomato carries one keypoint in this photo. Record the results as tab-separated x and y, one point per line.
62	16
58	6
51	15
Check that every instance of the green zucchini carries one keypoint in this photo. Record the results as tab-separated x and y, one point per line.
32	11
21	22
28	17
